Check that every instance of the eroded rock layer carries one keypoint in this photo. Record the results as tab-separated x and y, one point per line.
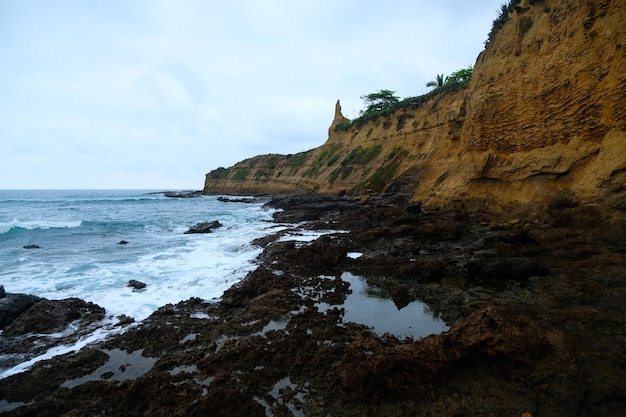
543	116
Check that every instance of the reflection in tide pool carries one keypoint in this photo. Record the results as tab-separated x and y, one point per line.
120	366
383	316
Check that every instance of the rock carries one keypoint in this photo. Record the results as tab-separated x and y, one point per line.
204	227
12	305
236	200
137	285
498	273
123	242
3	293
123	320
182	194
45	324
32	247
51	316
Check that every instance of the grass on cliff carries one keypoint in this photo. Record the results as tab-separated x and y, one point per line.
501	18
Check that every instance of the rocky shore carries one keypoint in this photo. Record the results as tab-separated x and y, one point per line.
534	309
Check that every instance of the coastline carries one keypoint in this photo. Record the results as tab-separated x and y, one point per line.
532	305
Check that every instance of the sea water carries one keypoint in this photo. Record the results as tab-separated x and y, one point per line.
79	253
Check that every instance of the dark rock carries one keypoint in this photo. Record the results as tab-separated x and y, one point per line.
297	209
123	242
182	194
12	305
137	285
32	247
321	255
123	320
415	208
31	333
50	316
236	200
204	227
499	272
3	293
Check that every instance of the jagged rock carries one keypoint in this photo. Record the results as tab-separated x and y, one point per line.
204	227
123	320
50	316
12	305
123	242
32	246
137	285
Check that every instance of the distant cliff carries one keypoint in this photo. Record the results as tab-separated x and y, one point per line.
542	121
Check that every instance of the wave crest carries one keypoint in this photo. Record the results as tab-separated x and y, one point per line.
17	226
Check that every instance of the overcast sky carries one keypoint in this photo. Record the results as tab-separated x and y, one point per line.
153	94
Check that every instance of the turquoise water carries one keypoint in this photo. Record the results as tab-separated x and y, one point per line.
79	255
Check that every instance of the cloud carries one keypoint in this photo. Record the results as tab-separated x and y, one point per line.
155	93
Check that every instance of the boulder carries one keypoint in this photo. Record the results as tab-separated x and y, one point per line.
204	227
137	285
12	305
51	316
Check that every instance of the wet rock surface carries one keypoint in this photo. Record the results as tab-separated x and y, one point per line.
204	227
31	325
535	309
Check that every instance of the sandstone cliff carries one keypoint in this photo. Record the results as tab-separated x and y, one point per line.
542	122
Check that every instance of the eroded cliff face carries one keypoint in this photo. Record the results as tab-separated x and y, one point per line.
542	121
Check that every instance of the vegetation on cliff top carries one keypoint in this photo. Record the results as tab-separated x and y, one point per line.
378	102
384	102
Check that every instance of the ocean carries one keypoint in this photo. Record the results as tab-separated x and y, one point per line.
77	235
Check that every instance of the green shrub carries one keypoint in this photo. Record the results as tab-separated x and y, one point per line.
220	173
361	155
240	174
297	161
262	173
332	160
398	152
380	101
379	180
314	169
344	126
343	170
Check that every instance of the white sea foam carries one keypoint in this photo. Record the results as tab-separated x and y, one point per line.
97	335
307	235
39	224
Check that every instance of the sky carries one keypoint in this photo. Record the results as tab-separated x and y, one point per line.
153	94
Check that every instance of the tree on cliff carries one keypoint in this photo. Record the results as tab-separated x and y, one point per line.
379	102
459	77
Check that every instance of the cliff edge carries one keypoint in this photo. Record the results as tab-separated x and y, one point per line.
541	124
